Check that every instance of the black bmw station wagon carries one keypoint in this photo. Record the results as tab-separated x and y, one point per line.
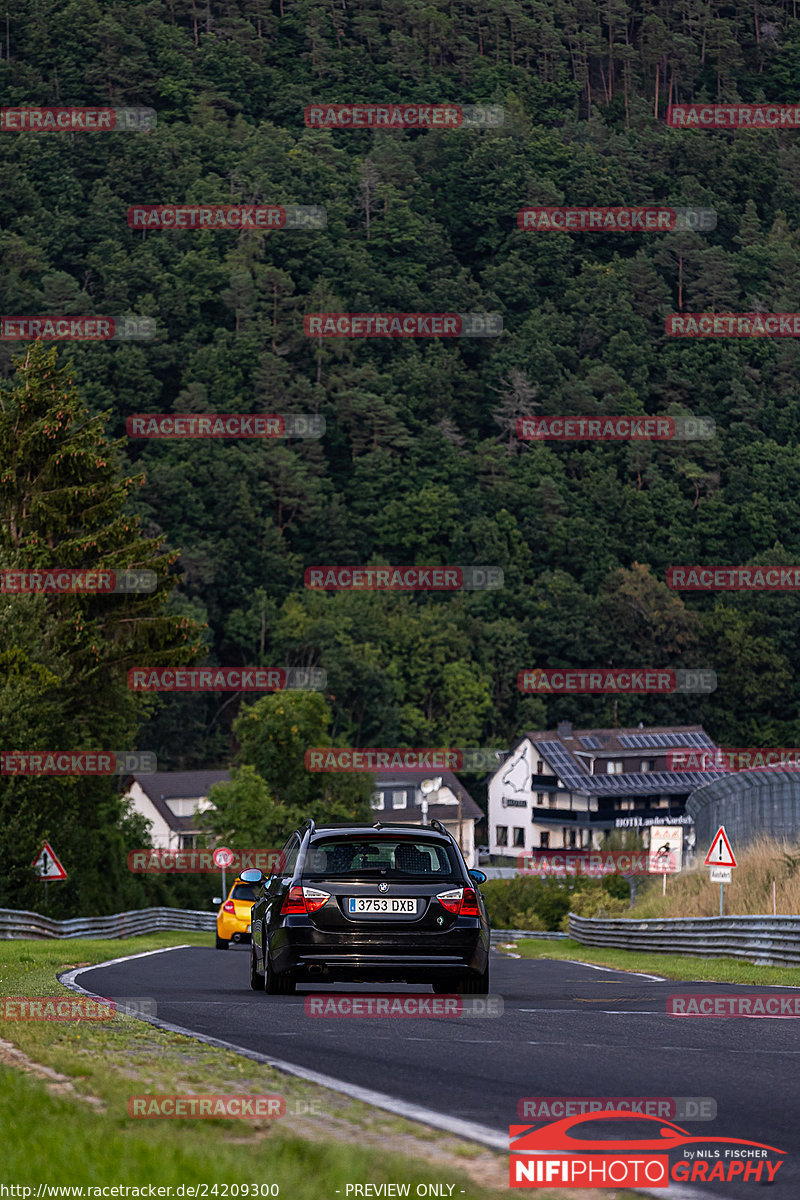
370	903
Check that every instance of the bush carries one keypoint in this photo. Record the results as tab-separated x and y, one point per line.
528	920
526	902
597	903
513	902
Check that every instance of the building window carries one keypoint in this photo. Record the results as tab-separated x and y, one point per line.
544	839
540	767
399	799
519	837
648	764
502	835
573	837
614	766
377	800
189	841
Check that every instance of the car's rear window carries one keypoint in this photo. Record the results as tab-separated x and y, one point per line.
391	856
243	891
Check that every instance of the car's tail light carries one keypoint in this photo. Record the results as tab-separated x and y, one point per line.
229	907
463	902
303	900
314	899
451	900
469	904
294	902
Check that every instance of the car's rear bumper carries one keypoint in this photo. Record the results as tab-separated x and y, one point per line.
233	930
391	956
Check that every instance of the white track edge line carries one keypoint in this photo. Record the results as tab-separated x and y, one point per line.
576	962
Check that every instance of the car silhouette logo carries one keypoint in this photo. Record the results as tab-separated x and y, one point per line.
557	1136
383	887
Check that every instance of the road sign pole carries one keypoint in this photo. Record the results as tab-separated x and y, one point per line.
224	892
721	895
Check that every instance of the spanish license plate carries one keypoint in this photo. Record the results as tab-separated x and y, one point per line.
379	904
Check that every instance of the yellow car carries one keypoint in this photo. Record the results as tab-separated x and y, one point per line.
233	919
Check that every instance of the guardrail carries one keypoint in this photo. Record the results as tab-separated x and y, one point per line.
765	941
14	924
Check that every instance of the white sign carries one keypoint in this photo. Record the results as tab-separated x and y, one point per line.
47	865
666	849
720	853
516	775
720	874
222	857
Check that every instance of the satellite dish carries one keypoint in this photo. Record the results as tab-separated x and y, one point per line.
430	785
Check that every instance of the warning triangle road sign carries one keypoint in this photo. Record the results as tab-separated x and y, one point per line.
720	854
47	865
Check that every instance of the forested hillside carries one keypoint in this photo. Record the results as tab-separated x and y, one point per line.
420	462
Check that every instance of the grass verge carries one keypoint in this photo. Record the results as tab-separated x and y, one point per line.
671	966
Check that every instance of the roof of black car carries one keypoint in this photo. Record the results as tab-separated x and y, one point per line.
392	830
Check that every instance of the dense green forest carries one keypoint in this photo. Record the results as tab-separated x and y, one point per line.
420	462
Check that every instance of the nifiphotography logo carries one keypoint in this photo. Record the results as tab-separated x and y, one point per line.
573	1153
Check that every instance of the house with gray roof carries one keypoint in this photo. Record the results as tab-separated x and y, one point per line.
175	801
565	788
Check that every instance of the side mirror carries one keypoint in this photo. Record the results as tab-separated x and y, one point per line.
252	875
478	876
217	900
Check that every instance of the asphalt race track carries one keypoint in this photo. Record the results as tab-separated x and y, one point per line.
567	1030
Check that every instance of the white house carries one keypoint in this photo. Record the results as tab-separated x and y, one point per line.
172	802
566	788
398	798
